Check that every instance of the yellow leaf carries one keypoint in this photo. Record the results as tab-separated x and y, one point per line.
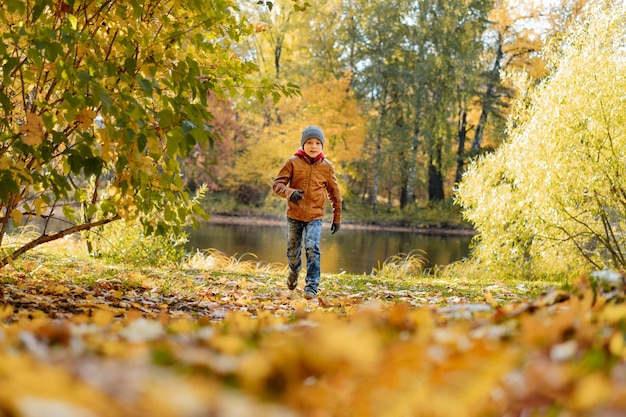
6	311
112	190
39	206
324	302
616	344
228	344
16	215
108	147
85	118
254	370
300	308
5	162
614	313
591	391
32	389
32	129
357	348
103	318
181	326
61	289
490	299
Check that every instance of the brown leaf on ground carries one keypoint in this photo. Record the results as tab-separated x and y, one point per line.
236	345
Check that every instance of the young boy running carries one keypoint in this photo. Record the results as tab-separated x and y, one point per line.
305	180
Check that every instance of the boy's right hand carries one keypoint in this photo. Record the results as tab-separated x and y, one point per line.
296	197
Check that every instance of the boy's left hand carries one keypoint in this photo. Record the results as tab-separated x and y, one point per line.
334	228
296	197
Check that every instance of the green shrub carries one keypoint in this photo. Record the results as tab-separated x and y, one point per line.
553	197
122	242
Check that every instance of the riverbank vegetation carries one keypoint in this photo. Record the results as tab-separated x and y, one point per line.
435	215
553	197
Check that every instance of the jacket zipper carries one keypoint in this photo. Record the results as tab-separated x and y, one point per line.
308	188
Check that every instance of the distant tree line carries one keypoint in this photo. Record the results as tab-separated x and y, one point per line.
407	92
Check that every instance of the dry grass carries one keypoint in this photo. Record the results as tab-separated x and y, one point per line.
214	259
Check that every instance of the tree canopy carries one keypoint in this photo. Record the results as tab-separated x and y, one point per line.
425	76
101	99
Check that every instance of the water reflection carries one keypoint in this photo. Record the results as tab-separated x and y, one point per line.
350	250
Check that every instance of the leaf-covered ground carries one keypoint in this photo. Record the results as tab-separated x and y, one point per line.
79	338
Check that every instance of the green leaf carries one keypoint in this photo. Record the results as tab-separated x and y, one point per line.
145	84
35	56
7	185
173	138
166	118
142	142
182	213
6	103
15	6
73	21
68	212
169	215
188	126
39	7
93	166
103	96
7	69
130	65
91	210
82	75
108	208
75	162
53	50
199	211
80	195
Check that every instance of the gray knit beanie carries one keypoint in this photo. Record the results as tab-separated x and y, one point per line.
312	132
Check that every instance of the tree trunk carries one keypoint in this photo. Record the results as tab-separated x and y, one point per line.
409	189
460	163
54	236
488	99
403	196
435	178
480	128
377	157
277	53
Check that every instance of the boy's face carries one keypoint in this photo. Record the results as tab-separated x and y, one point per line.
312	147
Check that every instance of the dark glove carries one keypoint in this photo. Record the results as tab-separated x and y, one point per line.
296	197
334	228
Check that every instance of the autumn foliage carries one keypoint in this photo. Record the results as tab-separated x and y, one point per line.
82	338
120	341
100	101
552	198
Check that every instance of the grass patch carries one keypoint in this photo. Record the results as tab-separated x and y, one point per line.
225	280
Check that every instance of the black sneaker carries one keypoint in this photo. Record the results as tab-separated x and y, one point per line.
292	281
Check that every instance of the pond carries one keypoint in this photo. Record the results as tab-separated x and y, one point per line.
351	250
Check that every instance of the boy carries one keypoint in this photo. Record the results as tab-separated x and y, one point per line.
305	180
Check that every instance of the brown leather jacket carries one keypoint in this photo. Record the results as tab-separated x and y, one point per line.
316	180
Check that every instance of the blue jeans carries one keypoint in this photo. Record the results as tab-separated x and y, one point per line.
311	232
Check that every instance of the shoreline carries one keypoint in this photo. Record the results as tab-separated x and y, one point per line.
273	221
